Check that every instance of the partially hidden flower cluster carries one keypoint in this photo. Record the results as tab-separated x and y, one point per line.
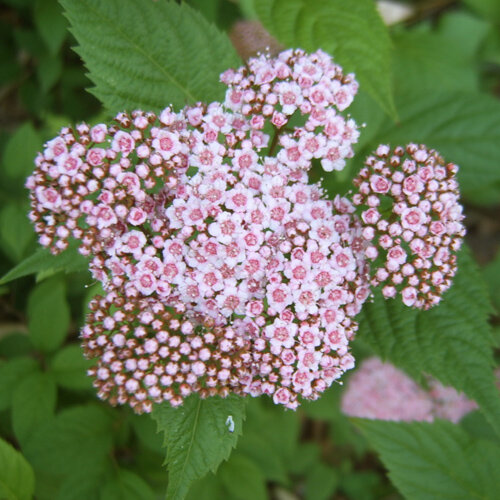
380	391
412	220
224	269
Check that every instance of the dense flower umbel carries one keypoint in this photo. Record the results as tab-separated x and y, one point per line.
415	236
380	391
224	270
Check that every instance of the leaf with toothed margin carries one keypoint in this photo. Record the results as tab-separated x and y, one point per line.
197	437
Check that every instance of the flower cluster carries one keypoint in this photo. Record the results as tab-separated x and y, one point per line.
412	220
224	269
380	391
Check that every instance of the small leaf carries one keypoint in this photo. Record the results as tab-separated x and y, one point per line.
33	403
43	261
242	479
69	368
451	342
48	314
17	481
127	486
50	23
20	151
16	232
12	372
354	35
197	438
437	460
77	439
321	482
149	54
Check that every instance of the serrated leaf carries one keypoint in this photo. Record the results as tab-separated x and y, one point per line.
149	54
463	126
76	439
126	486
12	372
43	261
353	34
439	460
33	403
242	479
69	368
16	232
20	151
50	24
197	438
48	314
17	481
452	342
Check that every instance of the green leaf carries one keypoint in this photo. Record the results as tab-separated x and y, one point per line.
149	54
20	151
463	126
49	71
50	24
48	314
439	460
33	403
77	439
242	479
16	232
12	372
491	273
126	486
354	35
69	368
321	482
452	342
17	481
43	261
83	485
489	9
15	343
197	438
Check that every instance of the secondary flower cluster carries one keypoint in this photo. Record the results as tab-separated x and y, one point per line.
380	391
412	220
224	269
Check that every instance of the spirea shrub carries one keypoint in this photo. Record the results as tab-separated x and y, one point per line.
225	269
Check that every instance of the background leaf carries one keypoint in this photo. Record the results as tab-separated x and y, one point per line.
48	314
33	403
439	460
17	481
197	438
149	54
242	479
50	23
69	368
12	372
451	342
126	486
353	34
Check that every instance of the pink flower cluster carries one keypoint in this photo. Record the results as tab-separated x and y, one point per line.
224	269
379	390
412	220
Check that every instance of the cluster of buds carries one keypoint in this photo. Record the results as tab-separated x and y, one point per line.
412	220
224	269
380	391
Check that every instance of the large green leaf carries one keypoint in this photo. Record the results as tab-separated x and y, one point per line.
48	314
17	481
439	460
451	342
12	373
353	34
463	126
33	403
197	437
126	485
149	54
